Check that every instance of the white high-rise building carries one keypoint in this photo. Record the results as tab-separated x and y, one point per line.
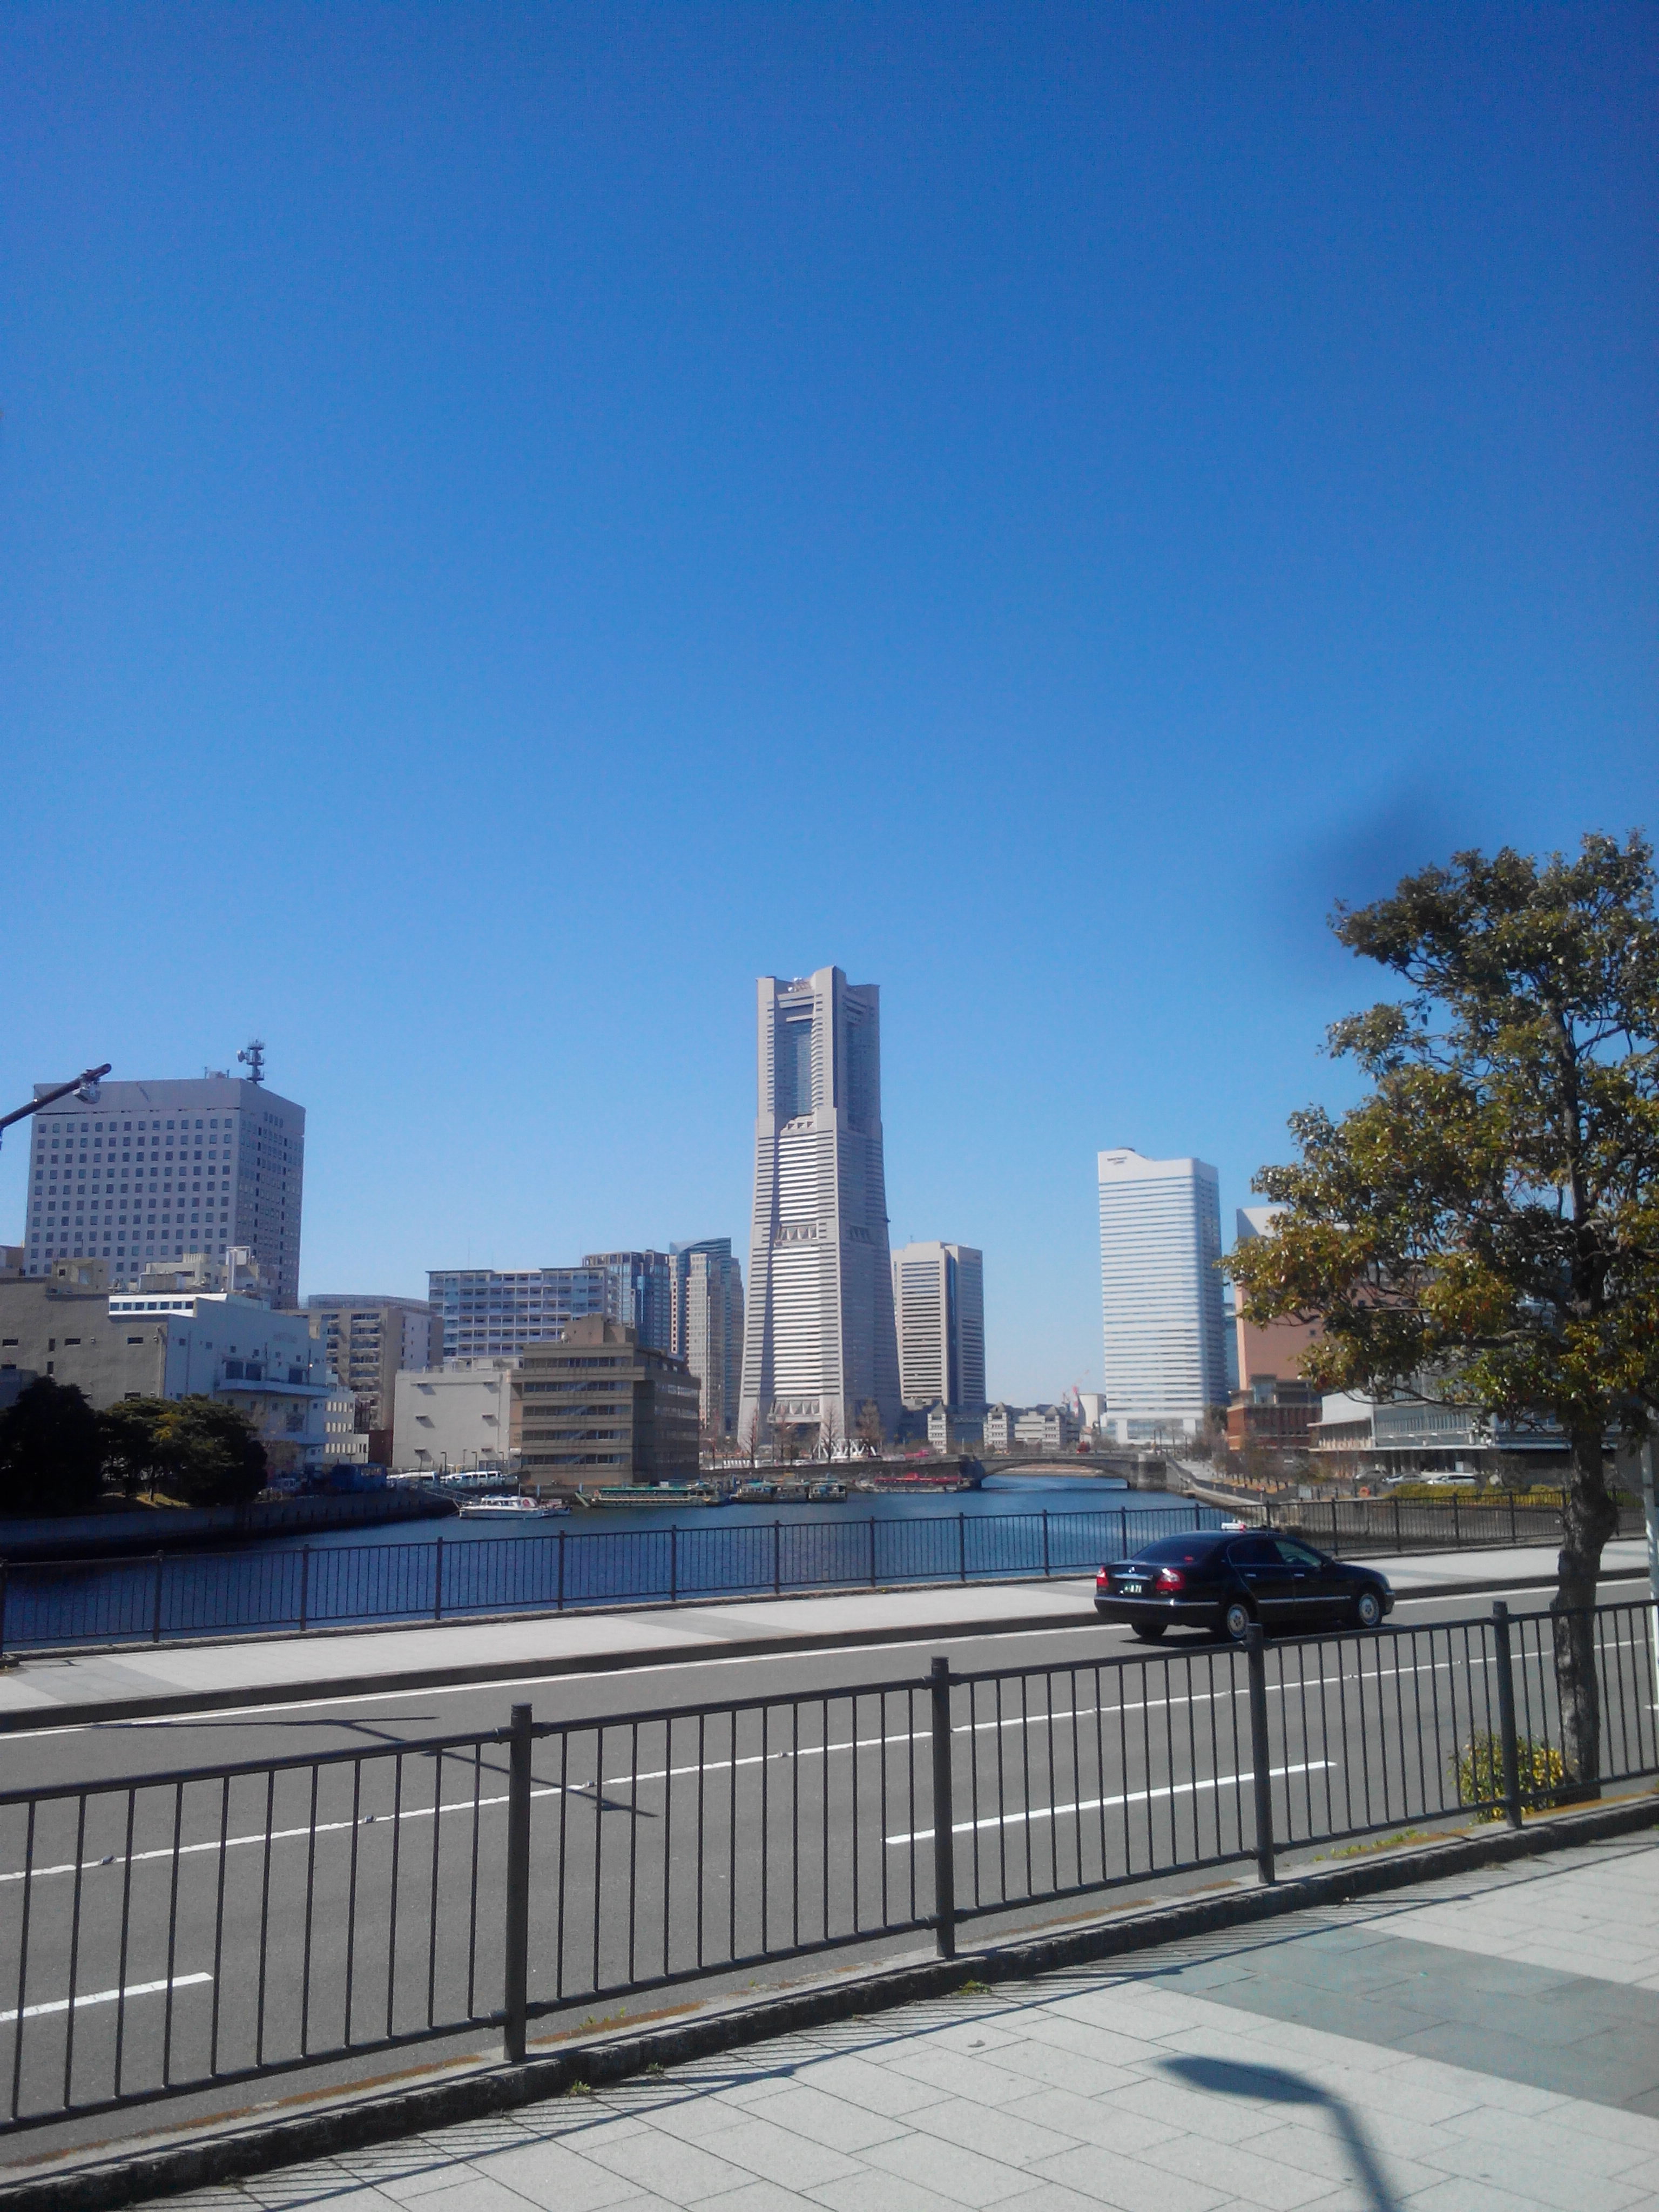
1160	1238
938	1304
819	1337
145	1172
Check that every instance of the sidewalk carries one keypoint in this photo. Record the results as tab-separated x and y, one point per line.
1478	2042
66	1688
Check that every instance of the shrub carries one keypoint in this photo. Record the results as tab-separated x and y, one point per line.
1478	1770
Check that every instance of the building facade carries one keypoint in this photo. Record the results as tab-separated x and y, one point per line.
819	1341
938	1311
368	1342
1160	1241
152	1171
706	1287
602	1408
460	1420
490	1313
639	1293
111	1346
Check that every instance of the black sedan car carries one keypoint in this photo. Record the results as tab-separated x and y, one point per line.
1223	1580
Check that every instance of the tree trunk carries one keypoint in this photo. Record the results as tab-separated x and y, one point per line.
1587	1519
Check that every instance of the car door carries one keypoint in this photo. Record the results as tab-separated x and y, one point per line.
1257	1562
1311	1591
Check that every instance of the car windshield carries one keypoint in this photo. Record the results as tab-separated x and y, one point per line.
1178	1551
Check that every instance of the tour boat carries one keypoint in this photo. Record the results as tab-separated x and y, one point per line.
513	1507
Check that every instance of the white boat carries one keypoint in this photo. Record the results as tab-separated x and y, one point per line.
513	1507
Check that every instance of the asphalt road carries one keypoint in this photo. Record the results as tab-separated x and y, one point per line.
224	1924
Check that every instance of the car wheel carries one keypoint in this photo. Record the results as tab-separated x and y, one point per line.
1367	1610
1236	1621
1151	1632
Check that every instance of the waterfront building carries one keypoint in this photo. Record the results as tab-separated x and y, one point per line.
706	1283
143	1172
939	1311
499	1313
998	1428
460	1418
490	1313
1047	1428
601	1409
1160	1241
819	1341
70	1325
951	1430
368	1342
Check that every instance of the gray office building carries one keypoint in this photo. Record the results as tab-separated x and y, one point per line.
146	1172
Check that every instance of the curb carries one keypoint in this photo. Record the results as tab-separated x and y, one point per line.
21	1722
122	2181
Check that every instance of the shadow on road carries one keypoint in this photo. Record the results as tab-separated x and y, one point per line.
1225	2077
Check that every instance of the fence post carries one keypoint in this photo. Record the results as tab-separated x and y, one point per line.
1511	1749
155	1608
1045	1540
870	1525
1256	1667
777	1566
558	1596
1123	1532
1334	1554
1398	1539
305	1585
1514	1538
438	1581
5	1574
673	1563
944	1851
962	1548
515	1965
1457	1526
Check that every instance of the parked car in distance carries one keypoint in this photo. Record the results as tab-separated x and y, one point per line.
1217	1580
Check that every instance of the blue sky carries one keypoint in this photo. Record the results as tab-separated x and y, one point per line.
520	518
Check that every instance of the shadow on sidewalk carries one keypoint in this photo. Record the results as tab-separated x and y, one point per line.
1271	2085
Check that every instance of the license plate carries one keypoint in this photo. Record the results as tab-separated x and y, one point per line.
1135	1589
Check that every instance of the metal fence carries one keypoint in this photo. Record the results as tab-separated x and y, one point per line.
1359	1525
173	1596
177	1596
201	1928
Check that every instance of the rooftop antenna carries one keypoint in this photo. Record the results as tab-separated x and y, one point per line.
254	1056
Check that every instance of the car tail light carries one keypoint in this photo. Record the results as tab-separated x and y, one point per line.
1104	1579
1170	1578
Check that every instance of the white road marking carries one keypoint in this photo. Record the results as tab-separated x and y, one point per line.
679	1662
1098	1804
107	1996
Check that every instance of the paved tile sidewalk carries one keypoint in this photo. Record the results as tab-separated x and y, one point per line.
1478	2043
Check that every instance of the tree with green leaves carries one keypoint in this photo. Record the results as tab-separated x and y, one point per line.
49	1460
199	1451
1482	1229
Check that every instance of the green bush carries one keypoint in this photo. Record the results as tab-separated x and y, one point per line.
1478	1770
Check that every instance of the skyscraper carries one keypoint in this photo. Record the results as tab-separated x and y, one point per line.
1160	1238
938	1304
707	1333
819	1335
153	1170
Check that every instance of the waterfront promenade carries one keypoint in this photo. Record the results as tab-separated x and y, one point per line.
70	1688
